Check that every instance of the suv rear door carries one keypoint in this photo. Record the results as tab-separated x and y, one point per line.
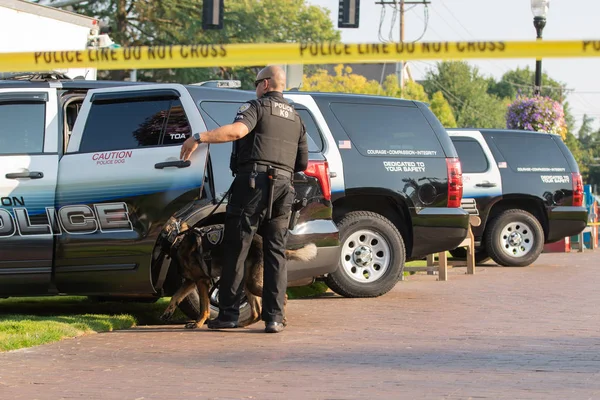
28	170
120	180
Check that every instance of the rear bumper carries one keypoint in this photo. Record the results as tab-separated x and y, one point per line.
325	235
438	229
565	221
325	263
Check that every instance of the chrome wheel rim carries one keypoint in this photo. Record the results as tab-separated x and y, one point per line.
517	239
366	256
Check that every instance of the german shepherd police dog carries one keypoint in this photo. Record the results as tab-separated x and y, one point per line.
193	247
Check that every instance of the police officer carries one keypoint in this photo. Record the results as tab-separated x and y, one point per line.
270	145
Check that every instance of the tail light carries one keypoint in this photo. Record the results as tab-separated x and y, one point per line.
455	183
320	170
577	189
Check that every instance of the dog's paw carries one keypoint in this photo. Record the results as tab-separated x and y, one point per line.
166	316
191	325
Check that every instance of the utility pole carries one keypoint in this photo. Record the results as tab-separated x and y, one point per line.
401	3
400	64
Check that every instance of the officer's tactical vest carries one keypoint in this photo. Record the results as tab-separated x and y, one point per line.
274	140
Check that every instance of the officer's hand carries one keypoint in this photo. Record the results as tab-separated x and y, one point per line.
188	147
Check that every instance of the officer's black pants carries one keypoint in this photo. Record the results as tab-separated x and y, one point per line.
246	213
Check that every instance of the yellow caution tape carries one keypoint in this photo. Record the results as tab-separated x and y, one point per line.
213	55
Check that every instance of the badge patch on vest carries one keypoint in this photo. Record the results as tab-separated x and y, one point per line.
214	237
283	110
211	236
244	107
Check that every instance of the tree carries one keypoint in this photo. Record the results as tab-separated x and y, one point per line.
180	22
442	110
414	91
345	81
585	131
522	81
466	92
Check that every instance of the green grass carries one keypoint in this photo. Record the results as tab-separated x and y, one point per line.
313	289
33	321
19	331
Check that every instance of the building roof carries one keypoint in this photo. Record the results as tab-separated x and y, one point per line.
50	12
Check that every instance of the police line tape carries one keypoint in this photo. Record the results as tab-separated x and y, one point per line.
248	54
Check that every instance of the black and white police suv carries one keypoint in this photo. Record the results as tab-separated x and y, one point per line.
90	174
526	187
396	184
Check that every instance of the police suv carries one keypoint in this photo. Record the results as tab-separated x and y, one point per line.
90	174
396	184
526	188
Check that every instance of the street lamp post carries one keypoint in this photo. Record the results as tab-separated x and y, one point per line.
540	10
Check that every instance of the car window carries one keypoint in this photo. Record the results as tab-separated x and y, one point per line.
311	129
531	152
178	127
387	130
223	113
472	157
22	128
124	125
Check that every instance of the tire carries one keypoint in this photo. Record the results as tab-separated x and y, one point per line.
481	255
514	238
383	247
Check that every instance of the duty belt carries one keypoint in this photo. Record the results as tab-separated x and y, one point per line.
263	168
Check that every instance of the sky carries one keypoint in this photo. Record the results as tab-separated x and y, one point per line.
480	20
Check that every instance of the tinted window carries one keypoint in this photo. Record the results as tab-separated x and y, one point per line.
388	130
472	157
311	129
124	125
22	128
219	158
223	113
531	152
178	128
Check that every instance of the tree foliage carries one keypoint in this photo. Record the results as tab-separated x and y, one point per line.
521	81
442	110
170	22
467	93
345	81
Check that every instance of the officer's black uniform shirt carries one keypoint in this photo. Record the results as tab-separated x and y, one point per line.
277	134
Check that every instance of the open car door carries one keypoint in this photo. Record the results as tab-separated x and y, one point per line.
119	182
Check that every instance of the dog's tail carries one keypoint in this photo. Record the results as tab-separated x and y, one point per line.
305	253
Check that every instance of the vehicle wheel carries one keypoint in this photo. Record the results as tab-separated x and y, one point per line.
372	258
481	255
514	238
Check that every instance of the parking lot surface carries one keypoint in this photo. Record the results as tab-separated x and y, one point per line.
510	333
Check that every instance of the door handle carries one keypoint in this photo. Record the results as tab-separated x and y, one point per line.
25	175
169	164
486	184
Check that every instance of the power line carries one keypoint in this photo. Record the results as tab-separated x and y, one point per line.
445	90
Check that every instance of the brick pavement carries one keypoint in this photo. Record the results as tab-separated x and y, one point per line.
509	333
